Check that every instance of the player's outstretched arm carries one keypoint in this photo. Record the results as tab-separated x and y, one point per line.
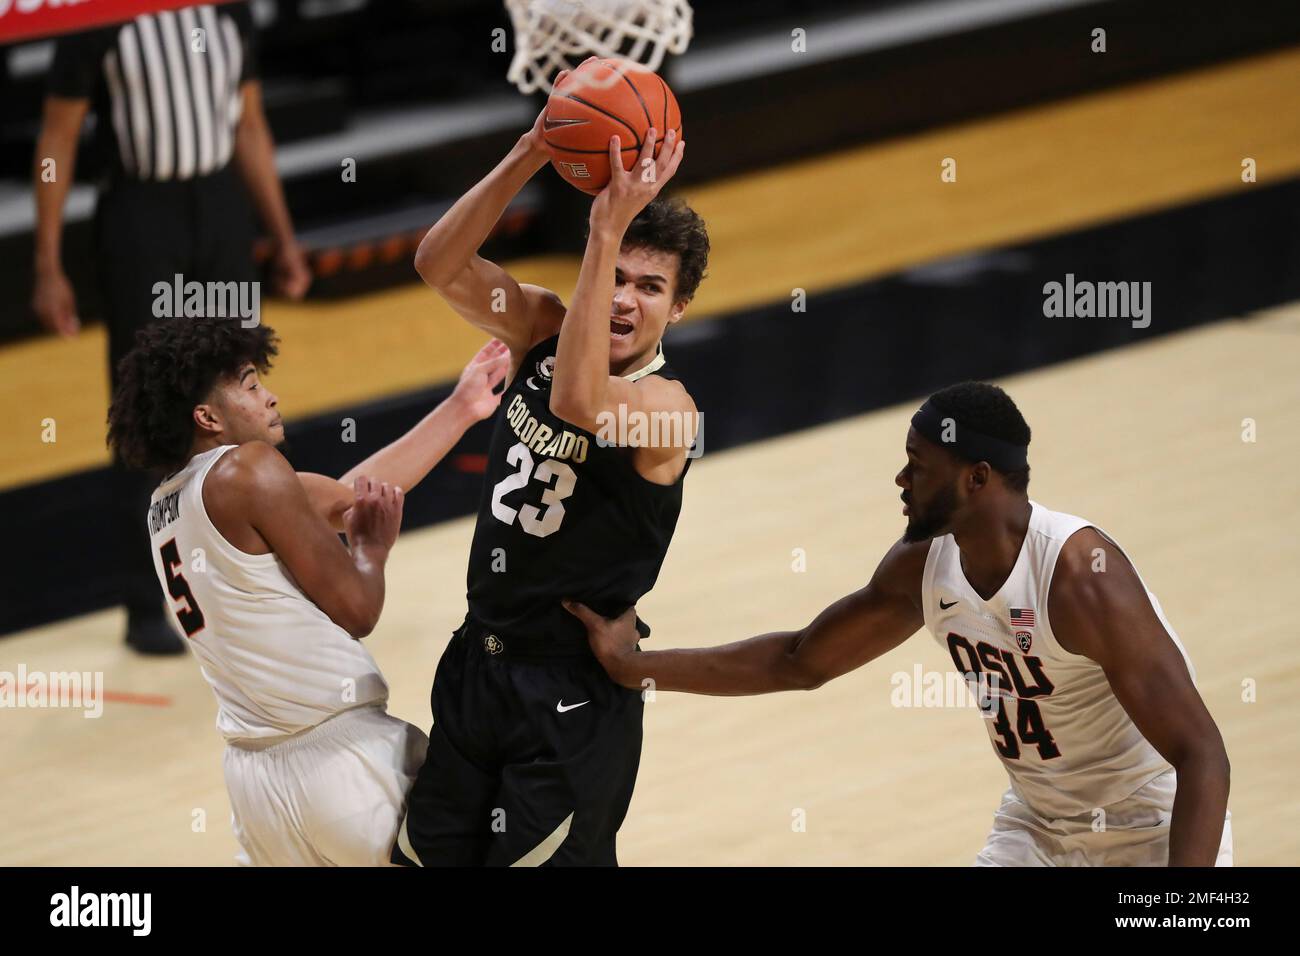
483	293
1107	616
406	462
254	487
583	392
852	631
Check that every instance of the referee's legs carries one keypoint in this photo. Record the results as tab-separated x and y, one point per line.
224	229
141	239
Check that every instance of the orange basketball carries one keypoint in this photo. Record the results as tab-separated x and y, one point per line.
600	99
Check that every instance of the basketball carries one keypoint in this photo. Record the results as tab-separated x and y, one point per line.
599	99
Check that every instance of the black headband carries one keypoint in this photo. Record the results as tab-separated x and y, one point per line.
932	423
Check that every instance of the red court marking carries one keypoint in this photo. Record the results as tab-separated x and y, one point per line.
475	464
117	696
147	700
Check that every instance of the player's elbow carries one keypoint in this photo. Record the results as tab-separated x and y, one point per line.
561	404
426	264
368	617
354	623
358	615
432	264
571	407
363	625
1213	756
1204	758
797	675
811	680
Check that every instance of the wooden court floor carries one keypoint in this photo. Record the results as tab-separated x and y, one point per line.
1146	441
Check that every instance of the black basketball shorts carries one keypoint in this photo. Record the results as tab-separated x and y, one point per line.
532	759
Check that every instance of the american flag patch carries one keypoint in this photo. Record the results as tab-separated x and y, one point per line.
1022	617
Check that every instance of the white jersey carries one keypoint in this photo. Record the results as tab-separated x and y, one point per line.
276	662
1067	744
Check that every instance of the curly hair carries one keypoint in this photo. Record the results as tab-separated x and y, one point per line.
173	367
669	225
988	409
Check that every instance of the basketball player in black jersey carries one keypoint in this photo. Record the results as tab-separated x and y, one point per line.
533	751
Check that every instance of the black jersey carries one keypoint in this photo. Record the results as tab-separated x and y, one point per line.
562	516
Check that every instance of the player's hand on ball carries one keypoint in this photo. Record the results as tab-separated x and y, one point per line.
476	390
630	191
376	513
613	639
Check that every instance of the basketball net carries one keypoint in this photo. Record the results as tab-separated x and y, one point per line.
554	35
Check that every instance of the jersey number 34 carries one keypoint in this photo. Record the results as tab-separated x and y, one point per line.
536	521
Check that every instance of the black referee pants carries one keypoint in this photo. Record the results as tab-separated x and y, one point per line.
147	232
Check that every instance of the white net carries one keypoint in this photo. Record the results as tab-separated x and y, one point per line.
554	35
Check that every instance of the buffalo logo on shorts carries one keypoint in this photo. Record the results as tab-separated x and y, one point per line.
1024	639
492	645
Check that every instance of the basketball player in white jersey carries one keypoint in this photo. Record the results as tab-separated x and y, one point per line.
271	601
1112	756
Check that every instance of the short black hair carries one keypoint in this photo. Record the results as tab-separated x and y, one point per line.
172	367
989	410
669	225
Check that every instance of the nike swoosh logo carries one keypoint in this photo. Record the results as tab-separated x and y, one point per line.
550	124
529	383
944	607
564	710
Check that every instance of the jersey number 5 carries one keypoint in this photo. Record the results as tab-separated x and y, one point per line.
188	614
539	522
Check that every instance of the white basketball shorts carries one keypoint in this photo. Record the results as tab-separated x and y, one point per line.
1131	832
333	795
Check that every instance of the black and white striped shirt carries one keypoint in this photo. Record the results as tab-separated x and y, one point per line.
168	82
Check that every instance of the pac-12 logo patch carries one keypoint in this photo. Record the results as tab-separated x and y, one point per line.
545	369
1025	640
